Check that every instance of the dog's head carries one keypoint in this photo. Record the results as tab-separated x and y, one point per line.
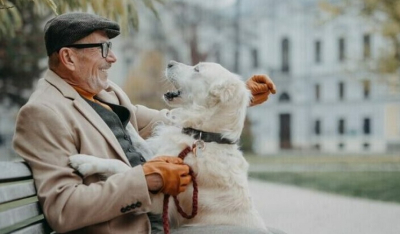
209	97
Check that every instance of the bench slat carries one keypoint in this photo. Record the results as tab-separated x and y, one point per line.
30	226
14	170
18	214
38	228
19	208
16	190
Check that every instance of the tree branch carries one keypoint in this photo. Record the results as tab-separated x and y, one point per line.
4	7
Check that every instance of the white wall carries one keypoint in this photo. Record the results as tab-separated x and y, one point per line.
303	28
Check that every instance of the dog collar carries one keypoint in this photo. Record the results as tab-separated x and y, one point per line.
207	136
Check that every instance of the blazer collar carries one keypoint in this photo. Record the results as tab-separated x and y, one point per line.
68	91
87	111
65	89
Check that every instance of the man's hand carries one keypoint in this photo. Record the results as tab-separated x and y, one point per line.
167	175
167	159
261	86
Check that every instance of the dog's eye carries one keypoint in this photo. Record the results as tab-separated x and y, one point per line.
196	68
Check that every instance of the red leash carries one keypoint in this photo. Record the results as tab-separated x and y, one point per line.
165	218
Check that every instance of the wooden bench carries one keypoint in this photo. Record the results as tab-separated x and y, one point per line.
20	211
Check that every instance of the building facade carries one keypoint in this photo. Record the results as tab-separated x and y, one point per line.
329	99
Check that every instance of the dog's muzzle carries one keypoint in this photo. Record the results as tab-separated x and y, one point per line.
171	95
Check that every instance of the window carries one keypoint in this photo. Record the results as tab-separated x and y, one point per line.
285	55
317	127
342	49
254	55
284	97
367	46
341	90
318	52
367	126
341	127
366	88
317	92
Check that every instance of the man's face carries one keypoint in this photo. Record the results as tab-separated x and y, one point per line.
92	69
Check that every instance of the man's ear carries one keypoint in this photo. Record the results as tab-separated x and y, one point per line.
67	58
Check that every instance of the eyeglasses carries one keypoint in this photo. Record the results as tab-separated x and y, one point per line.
105	47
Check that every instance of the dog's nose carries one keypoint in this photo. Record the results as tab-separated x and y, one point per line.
171	63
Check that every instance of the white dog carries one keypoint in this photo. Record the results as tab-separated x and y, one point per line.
210	106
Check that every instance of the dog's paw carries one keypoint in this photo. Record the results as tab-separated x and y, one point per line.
86	165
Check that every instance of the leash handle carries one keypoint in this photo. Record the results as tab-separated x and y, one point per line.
165	217
194	199
185	152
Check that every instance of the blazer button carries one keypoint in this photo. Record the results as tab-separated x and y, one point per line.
128	208
133	206
126	137
138	204
130	150
142	159
123	210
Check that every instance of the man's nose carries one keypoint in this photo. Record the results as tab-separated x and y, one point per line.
111	58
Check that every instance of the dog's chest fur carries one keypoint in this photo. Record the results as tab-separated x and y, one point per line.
221	173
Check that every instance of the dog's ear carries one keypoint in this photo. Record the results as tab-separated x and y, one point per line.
225	91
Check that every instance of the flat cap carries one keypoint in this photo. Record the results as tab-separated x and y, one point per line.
68	28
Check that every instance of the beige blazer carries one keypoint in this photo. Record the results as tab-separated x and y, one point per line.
56	123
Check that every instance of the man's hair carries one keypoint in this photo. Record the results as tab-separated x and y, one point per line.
53	61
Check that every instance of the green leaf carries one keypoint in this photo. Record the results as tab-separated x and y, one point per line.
133	17
52	5
149	4
11	21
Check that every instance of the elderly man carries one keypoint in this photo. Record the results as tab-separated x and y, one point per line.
75	109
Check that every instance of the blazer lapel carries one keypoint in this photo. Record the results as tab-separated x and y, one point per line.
115	95
87	111
91	115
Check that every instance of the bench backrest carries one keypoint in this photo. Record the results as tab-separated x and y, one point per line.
20	212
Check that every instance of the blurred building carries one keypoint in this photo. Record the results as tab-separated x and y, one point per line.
329	99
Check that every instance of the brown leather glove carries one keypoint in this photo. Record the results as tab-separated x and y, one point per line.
174	174
260	86
168	159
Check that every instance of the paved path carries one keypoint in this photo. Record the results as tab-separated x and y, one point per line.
300	211
325	167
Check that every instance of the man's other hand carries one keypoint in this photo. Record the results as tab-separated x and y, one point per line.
261	86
